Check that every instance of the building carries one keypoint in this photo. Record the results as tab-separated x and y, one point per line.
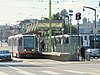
87	31
86	27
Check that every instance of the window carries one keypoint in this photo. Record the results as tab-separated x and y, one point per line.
85	37
20	41
29	41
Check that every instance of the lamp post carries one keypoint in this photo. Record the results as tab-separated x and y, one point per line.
70	14
64	16
62	39
95	23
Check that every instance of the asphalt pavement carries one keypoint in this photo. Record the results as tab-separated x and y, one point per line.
96	60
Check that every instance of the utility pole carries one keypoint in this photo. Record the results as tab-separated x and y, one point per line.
50	30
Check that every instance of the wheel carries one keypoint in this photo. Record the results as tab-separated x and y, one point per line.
93	57
10	59
17	55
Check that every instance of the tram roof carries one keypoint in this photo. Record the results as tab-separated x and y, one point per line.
11	37
20	35
65	35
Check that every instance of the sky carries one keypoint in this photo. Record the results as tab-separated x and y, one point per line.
12	11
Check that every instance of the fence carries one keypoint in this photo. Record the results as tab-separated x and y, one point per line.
66	48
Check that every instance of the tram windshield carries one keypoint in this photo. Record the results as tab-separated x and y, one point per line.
28	41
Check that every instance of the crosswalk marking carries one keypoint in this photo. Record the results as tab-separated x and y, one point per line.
25	72
22	71
51	72
2	73
79	72
73	71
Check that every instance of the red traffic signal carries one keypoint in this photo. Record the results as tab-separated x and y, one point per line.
78	16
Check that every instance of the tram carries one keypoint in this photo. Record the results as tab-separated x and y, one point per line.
66	39
89	39
22	45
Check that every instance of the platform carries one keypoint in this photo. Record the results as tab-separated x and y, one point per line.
61	56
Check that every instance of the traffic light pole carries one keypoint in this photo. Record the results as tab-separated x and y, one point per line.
78	17
78	33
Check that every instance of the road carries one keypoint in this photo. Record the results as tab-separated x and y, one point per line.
48	67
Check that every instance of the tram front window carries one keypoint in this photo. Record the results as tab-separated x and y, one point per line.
28	42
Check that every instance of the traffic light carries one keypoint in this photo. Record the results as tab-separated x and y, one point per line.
78	16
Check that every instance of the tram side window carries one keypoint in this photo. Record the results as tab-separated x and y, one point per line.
85	37
9	42
20	41
14	42
67	40
58	40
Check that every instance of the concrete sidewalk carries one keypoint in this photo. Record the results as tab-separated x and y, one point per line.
60	56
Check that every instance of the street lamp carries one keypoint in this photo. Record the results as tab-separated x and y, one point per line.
99	3
62	39
95	23
70	14
65	16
